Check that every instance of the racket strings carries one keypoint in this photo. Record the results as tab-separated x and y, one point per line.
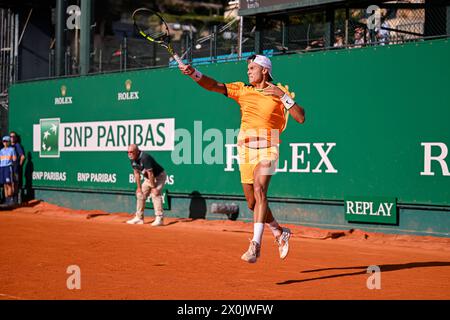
150	22
157	33
161	35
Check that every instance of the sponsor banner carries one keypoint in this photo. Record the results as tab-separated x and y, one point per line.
356	146
63	99
49	136
128	94
52	137
96	177
371	210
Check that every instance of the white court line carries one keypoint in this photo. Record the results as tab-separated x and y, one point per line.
9	296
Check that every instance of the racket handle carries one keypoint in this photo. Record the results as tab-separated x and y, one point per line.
178	59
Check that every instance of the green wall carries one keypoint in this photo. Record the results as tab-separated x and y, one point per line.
377	105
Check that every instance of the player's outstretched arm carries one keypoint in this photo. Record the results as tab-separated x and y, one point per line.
203	81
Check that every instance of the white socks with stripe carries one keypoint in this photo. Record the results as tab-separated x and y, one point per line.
258	229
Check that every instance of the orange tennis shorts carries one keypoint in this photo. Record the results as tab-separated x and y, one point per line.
249	158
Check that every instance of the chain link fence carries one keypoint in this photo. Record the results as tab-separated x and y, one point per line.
390	23
222	37
214	43
236	38
227	37
9	43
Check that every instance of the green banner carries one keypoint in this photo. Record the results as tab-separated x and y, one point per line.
371	210
376	123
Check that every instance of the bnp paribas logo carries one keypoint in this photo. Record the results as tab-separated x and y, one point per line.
63	99
49	129
128	94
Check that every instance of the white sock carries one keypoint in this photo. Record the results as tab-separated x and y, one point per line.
274	226
258	229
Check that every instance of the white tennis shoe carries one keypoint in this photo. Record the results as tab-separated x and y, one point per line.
252	253
159	221
136	220
283	242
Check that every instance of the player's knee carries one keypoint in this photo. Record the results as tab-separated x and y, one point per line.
260	192
140	196
155	193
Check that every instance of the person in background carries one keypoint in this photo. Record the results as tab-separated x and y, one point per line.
7	159
154	180
338	40
359	37
17	167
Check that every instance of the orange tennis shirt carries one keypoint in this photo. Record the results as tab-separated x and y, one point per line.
262	116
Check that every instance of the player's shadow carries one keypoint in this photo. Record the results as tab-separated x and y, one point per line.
171	222
30	204
197	207
29	168
383	268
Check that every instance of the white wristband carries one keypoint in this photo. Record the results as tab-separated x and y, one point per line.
287	101
196	75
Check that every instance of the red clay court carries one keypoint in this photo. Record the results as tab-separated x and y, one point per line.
200	259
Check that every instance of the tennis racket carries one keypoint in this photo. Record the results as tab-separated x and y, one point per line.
150	25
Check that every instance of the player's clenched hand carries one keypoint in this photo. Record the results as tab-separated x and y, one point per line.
273	90
186	69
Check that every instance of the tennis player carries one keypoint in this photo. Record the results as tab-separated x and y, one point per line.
264	107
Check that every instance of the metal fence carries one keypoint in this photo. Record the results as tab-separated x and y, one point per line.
354	28
117	47
126	50
234	38
9	43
